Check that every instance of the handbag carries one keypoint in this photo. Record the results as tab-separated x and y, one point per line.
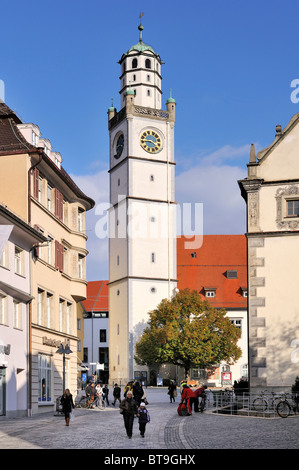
175	393
72	416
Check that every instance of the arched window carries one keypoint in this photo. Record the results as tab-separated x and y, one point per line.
148	64
148	92
134	64
134	78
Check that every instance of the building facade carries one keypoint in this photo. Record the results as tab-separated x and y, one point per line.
96	328
142	240
38	189
15	297
217	269
271	192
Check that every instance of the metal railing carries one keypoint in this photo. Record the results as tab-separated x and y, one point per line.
244	403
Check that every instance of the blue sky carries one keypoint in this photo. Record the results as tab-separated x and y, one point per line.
229	64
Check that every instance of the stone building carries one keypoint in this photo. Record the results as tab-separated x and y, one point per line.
271	192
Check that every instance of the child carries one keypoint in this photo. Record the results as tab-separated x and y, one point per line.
144	418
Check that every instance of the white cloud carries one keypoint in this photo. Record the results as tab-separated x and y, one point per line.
210	181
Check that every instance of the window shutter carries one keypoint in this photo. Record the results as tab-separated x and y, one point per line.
61	248
35	182
58	204
36	247
56	254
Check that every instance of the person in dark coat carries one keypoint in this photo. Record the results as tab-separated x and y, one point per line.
144	418
129	409
67	405
116	394
172	391
137	393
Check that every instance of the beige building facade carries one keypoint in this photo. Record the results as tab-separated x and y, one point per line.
271	192
37	188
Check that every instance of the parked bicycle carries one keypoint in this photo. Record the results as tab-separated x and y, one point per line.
288	406
267	401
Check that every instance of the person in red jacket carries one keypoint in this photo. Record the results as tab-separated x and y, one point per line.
188	396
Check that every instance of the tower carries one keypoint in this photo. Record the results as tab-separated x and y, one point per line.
142	239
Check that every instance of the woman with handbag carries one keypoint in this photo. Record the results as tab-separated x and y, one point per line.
67	405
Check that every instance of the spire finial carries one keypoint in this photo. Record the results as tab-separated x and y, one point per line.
140	27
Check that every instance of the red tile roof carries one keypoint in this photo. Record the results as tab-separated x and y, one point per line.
216	255
97	299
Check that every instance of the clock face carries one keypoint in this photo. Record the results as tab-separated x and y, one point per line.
150	141
119	146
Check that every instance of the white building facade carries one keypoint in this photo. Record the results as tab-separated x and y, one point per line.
142	239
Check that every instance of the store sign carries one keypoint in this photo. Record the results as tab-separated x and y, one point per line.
55	343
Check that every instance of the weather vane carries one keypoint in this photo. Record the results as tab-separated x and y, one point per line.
140	16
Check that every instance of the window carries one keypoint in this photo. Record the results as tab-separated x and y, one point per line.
3	310
152	178
134	78
193	254
35	178
103	336
148	64
153	290
232	274
61	314
210	293
39	193
237	322
134	64
19	260
153	257
39	306
117	260
17	315
148	77
44	378
293	208
80	219
4	257
148	92
81	266
49	298
49	249
68	317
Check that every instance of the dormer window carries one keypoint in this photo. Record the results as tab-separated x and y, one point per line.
210	291
134	64
148	64
232	274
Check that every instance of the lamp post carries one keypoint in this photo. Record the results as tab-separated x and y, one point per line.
63	350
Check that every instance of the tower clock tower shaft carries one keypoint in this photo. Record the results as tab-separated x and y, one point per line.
142	216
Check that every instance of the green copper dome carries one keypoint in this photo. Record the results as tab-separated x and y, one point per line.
140	47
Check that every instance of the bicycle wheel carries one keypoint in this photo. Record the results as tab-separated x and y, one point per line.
260	404
283	409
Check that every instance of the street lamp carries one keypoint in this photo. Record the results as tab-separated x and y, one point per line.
63	350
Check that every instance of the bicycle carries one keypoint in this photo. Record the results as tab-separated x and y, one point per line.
266	402
100	403
84	402
288	405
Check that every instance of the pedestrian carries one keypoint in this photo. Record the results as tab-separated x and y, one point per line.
128	409
128	387
143	419
99	395
67	405
200	397
188	396
116	394
137	393
91	394
105	394
172	391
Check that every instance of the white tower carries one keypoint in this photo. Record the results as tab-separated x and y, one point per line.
142	245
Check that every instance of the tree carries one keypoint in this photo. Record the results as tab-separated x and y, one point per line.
188	332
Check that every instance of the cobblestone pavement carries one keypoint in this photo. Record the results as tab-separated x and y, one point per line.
94	429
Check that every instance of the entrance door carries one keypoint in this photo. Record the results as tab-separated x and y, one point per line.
2	391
